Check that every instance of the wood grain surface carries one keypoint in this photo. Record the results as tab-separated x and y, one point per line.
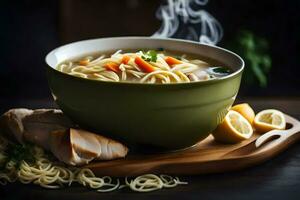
207	156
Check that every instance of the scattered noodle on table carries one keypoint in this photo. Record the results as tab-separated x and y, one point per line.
53	175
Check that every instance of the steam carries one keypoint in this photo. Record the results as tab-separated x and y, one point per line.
184	19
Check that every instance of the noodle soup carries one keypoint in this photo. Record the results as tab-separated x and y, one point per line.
151	66
160	105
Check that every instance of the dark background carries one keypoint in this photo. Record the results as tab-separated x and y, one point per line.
31	28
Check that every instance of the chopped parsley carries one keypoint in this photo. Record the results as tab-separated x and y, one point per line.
150	56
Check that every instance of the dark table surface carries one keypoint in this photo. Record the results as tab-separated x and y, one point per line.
278	178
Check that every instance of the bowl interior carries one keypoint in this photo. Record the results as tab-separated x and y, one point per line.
86	47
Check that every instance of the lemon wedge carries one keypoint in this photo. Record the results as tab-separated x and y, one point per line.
233	129
268	120
245	110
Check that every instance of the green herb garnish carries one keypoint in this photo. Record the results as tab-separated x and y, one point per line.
146	58
150	56
19	152
221	70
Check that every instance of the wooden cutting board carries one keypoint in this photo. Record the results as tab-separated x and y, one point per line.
207	156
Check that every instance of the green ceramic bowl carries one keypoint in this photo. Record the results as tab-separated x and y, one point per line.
171	116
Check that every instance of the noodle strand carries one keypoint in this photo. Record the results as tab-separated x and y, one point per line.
47	174
128	70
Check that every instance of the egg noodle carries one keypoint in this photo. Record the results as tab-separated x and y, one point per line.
120	71
50	174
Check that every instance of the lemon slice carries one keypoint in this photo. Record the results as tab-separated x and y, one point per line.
233	129
245	110
268	120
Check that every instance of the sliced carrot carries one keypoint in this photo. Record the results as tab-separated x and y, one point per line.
112	67
84	62
125	59
172	61
143	65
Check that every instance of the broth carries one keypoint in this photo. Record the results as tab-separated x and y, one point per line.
144	66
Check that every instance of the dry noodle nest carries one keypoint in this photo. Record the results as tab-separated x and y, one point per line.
48	174
151	182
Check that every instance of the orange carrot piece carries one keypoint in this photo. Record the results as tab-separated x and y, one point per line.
125	59
84	62
112	67
172	61
143	65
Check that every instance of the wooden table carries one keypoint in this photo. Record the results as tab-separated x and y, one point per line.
278	178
